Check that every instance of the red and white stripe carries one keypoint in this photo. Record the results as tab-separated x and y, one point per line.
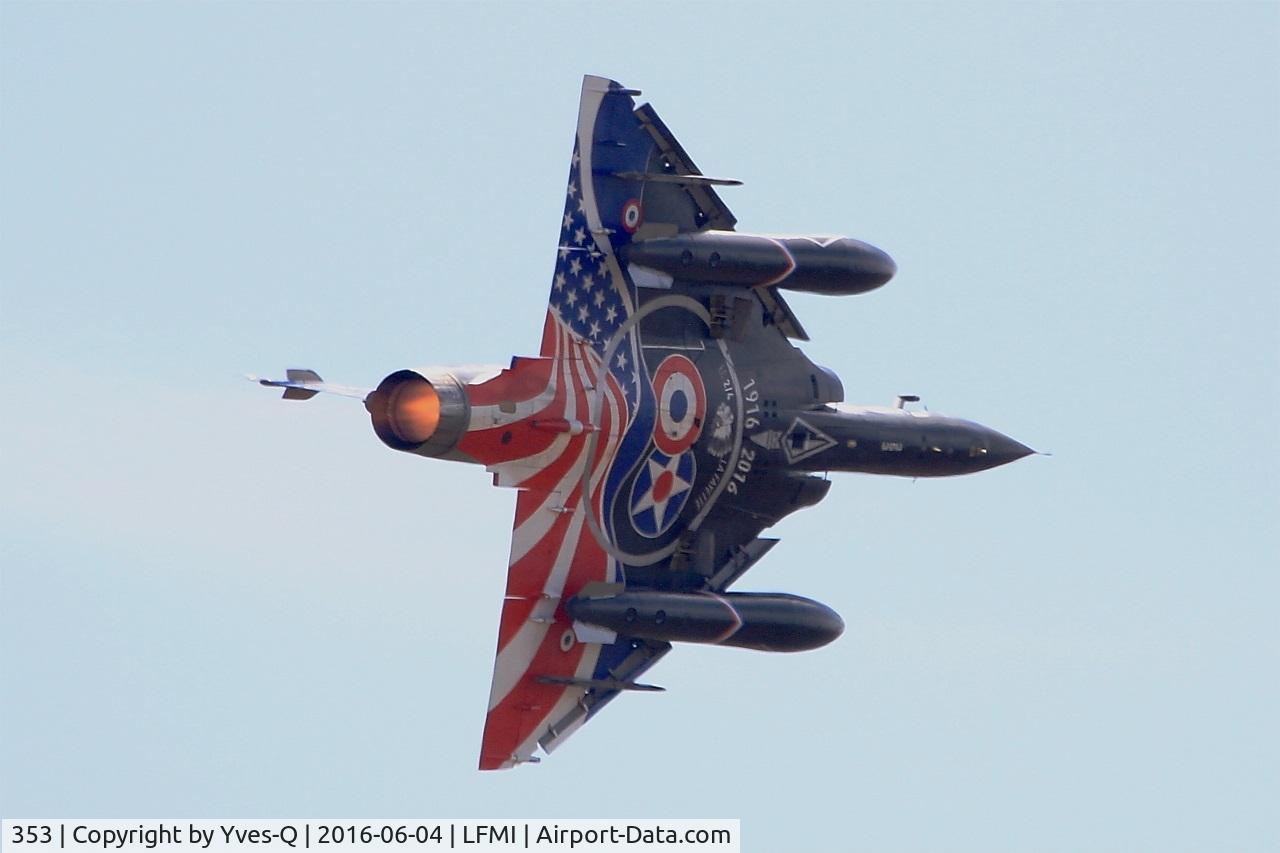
553	553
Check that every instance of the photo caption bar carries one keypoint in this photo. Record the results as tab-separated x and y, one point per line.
403	836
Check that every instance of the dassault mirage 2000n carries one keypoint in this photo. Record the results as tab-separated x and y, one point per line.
666	421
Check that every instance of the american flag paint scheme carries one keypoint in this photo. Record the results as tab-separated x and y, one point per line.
665	423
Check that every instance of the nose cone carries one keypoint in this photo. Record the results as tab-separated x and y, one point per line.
1001	450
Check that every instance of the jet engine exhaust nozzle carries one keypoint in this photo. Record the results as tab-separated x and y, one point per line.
413	411
419	411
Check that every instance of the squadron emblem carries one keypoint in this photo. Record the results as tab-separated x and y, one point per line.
660	491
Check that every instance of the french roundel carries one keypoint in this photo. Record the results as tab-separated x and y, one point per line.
682	405
632	215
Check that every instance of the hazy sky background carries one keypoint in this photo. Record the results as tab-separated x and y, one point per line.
214	603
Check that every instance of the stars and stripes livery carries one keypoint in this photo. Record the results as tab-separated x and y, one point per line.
541	670
621	470
665	344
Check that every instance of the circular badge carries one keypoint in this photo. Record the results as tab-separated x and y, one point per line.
682	405
632	215
660	491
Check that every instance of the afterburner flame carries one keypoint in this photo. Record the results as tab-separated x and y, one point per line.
414	411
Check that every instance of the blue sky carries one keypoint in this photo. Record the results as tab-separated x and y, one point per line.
213	603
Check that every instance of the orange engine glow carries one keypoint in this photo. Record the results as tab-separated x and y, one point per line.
414	411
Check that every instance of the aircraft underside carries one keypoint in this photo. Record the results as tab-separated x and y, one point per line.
666	422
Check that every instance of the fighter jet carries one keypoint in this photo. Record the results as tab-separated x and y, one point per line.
666	421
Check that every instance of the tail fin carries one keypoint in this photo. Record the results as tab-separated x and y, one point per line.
300	376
